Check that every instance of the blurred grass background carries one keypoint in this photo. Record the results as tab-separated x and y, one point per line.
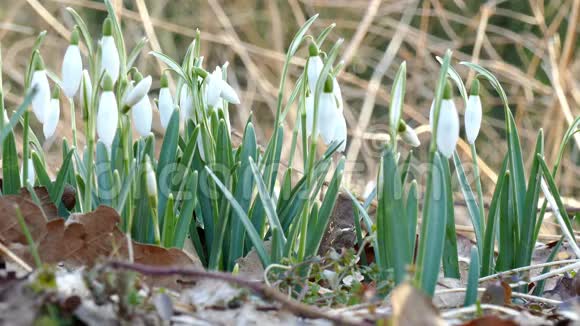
531	46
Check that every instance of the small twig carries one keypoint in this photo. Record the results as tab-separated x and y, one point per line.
291	305
8	253
528	297
526	268
471	309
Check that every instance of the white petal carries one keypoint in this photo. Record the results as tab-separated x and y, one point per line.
86	87
143	116
229	94
327	113
72	71
51	119
409	136
165	105
214	87
110	57
313	71
138	92
448	128
107	118
185	103
340	134
41	100
473	117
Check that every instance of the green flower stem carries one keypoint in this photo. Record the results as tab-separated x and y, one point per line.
478	189
73	122
25	147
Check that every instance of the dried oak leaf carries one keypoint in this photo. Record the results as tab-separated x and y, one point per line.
81	240
411	307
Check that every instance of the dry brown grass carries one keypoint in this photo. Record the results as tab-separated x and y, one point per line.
533	53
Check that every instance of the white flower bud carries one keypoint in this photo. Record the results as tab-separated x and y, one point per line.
166	106
185	103
448	128
107	115
31	177
151	180
143	116
52	118
72	66
217	89
314	67
41	100
138	92
110	62
408	135
473	113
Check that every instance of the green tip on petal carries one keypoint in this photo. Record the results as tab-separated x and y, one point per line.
107	83
38	62
448	91
137	77
107	27
313	49
56	93
200	72
402	127
74	36
474	87
164	83
328	85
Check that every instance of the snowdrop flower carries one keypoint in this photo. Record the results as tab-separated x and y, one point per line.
165	102
408	134
31	177
41	100
217	88
110	62
314	66
185	103
52	115
138	92
448	125
150	180
331	123
86	89
108	114
473	113
143	116
72	66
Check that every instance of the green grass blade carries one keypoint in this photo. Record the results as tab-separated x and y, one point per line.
555	193
412	211
472	278
470	201
57	188
10	171
251	231
167	159
172	64
450	261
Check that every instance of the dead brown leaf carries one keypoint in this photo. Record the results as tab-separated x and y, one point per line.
81	240
411	307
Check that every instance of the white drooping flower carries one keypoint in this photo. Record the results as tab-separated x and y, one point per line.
41	100
314	66
448	126
185	103
330	123
72	66
408	134
108	114
473	113
86	88
31	177
217	88
143	116
110	62
52	115
165	103
138	92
